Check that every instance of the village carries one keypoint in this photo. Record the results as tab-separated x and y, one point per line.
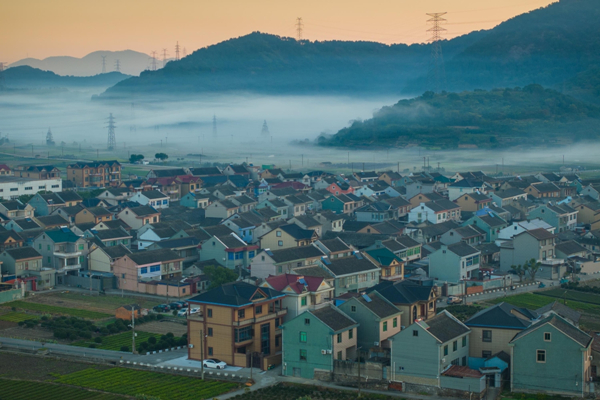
457	284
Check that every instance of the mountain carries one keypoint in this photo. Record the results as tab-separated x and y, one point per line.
485	119
271	64
546	46
131	63
585	85
25	77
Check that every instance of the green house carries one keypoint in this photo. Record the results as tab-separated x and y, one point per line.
313	340
490	223
551	356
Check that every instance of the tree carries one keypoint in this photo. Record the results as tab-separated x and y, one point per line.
218	276
161	156
135	158
533	267
519	271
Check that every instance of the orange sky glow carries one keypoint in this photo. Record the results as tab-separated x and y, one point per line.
44	28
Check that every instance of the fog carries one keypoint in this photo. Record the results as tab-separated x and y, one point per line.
184	126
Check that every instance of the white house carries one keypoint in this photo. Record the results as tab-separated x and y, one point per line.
12	187
152	198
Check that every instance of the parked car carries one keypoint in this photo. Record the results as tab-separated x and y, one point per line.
162	308
176	305
454	300
184	304
182	312
194	310
214	363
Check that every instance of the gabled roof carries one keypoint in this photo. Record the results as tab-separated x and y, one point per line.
295	253
509	193
539	234
383	256
298	283
546	187
502	315
560	309
188	241
93	164
52	198
357	240
492	220
62	236
441	205
70	196
579	336
334	318
335	245
205	171
560	208
115	252
570	247
22	253
313	270
98	211
377	305
236	294
297	232
52	220
232	241
349	265
406	241
402	292
478	197
13	205
444	327
167	173
397	202
154	256
154	194
439	229
27	224
72	210
142	211
467	183
112	234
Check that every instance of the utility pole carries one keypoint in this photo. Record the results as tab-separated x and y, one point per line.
299	26
132	330
202	351
184	53
177	51
103	64
215	127
437	72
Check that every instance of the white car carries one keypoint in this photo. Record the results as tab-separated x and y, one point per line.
194	310
214	363
183	311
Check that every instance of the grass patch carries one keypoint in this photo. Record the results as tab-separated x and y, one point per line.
115	342
300	391
109	302
17	317
27	390
46	309
573	295
136	383
526	300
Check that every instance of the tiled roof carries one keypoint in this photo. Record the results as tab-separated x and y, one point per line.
378	306
444	327
21	253
52	220
349	265
298	283
570	247
295	253
154	194
142	211
297	232
62	236
539	234
334	318
335	245
402	292
560	309
154	256
235	294
313	270
502	316
569	330
115	252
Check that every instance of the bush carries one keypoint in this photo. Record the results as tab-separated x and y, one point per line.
14	308
44	318
21	323
170	335
125	348
98	340
152	340
104	331
92	346
159	317
113	329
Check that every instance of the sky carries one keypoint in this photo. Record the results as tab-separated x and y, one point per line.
44	28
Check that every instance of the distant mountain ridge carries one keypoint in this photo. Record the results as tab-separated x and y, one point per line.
131	63
25	77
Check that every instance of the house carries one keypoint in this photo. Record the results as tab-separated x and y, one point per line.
436	212
473	201
69	213
111	237
351	274
454	263
244	225
561	216
400	206
341	203
5	170
221	209
366	176
136	217
283	261
115	196
239	323
245	203
129	311
419	198
517	227
463	186
298	204
170	186
535	243
187	184
493	328
166	173
543	190
508	197
277	205
26	263
490	223
415	301
425	349
195	200
551	356
589	213
330	221
378	320
375	212
136	271
185	247
93	214
63	251
404	247
101	259
337	187
46	204
51	221
236	170
285	236
10	240
302	292
470	234
571	249
558	308
334	248
20	225
307	222
314	340
14	209
96	174
391	178
229	249
36	171
425	233
392	266
152	198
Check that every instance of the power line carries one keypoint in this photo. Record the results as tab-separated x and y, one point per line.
437	72
299	26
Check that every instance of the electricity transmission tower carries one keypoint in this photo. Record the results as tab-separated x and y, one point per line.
214	125
49	138
265	130
164	57
177	51
437	72
112	141
153	61
103	64
117	65
2	75
299	26
184	52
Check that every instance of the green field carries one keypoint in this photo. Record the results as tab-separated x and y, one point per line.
540	299
17	317
115	342
133	383
43	308
583	297
26	390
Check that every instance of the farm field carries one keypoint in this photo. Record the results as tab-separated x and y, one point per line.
137	383
162	328
21	366
17	317
296	391
27	390
48	309
584	297
115	342
527	300
105	304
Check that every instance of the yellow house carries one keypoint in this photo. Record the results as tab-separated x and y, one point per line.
287	236
473	201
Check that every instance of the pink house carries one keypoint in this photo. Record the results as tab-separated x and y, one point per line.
339	188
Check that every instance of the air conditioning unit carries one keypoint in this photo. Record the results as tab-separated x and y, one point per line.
329	351
323	352
444	359
191	346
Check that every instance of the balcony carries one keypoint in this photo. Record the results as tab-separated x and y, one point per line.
67	254
66	268
262	318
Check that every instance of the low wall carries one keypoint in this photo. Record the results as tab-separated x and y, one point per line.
83	282
368	370
442	392
10	295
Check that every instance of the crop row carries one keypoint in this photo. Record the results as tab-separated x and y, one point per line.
133	382
115	342
24	390
16	317
573	295
57	310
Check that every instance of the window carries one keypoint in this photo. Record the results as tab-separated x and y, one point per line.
415	333
486	336
456	361
446	350
277	322
547	336
306	321
241	314
278	233
210	351
122	276
210	331
230	256
353	308
81	247
302	355
280	243
385	326
541	356
395	323
144	270
464	361
486	353
302	337
209	312
251	254
339	338
350	333
303	301
464	341
243	334
455	345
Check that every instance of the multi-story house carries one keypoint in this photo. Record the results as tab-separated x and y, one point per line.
561	216
221	209
508	197
229	250
298	204
537	244
63	251
378	211
307	222
351	274
490	223
245	203
463	186
341	204
239	323
400	205
470	234
102	259
415	301
302	292
378	320
115	196
185	247
543	190
93	215
404	247
316	339
276	262
552	356
425	349
419	198
96	174
366	176
286	236
111	237
436	212
152	198
136	217
391	266
169	186
245	225
473	201
47	203
26	264
454	263
14	209
10	240
37	171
